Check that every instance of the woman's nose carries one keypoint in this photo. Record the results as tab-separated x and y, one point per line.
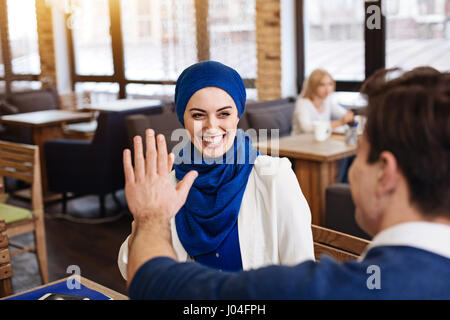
212	123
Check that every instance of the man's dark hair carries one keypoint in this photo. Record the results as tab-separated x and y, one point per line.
410	117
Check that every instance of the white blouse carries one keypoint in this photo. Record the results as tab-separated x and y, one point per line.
274	222
305	114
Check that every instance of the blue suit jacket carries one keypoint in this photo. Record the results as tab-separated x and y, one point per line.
387	272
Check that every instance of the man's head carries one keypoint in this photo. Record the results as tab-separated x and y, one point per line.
403	158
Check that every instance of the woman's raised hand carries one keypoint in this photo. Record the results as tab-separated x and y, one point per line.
148	190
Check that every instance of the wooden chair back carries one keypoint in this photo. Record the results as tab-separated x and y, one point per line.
341	246
5	263
21	161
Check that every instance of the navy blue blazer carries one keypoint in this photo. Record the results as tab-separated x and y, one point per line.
386	272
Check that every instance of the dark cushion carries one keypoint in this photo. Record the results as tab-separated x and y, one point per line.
35	100
272	117
7	108
340	211
243	122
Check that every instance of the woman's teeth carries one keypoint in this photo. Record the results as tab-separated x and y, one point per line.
213	140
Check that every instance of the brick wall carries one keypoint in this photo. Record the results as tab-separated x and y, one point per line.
268	42
46	44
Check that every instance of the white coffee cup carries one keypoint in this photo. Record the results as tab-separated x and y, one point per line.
322	130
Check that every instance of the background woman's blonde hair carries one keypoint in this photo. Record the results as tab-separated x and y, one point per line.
310	84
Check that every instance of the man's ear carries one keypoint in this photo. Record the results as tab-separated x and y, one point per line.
388	174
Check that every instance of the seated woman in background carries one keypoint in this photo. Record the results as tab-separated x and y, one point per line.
245	210
315	104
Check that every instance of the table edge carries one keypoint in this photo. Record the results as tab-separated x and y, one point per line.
84	281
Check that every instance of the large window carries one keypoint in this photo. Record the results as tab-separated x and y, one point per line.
231	26
91	38
334	38
23	38
20	64
418	33
149	43
159	38
354	38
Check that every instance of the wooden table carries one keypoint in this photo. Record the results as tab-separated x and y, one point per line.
86	282
315	165
123	105
46	125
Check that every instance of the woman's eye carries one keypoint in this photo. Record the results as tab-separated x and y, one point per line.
224	114
197	115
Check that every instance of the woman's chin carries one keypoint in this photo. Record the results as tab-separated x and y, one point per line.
214	152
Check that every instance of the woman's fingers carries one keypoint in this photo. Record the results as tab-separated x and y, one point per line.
170	162
150	155
139	165
128	166
156	160
162	161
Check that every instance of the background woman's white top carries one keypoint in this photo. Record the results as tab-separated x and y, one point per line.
274	222
305	114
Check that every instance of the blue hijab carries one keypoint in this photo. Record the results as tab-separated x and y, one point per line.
212	206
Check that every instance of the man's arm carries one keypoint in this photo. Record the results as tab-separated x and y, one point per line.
152	200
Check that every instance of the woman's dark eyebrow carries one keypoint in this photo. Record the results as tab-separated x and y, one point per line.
201	110
197	109
221	109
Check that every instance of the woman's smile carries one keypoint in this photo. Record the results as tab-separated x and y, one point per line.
214	141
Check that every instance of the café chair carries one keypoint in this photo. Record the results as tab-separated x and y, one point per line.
5	263
268	115
21	162
340	246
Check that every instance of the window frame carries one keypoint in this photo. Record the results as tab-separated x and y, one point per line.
201	16
374	47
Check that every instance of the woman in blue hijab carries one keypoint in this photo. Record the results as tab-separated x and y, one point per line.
244	210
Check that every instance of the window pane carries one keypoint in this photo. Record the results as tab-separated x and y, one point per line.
159	38
154	91
418	33
23	38
99	91
91	38
25	85
334	38
231	27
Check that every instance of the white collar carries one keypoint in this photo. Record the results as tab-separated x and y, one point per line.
429	236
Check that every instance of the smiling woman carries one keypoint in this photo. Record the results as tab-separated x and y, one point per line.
236	216
211	127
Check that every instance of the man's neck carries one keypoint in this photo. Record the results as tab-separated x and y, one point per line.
409	213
